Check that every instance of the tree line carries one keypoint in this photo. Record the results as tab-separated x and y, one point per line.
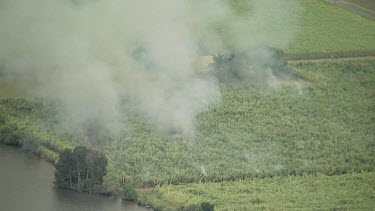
82	169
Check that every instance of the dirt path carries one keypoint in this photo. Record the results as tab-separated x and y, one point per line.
330	59
353	8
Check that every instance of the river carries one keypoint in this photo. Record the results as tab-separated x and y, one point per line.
26	183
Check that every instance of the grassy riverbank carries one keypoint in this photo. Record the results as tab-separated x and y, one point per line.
28	123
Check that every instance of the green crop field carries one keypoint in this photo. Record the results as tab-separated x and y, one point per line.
324	126
325	28
320	192
321	121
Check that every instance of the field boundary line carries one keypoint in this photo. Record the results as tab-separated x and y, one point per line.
354	8
330	59
332	55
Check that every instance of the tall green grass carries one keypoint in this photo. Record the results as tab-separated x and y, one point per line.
29	123
323	28
323	125
327	28
344	192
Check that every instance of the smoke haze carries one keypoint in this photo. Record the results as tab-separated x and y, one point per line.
89	55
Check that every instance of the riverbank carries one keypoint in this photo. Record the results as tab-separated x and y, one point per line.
26	183
23	125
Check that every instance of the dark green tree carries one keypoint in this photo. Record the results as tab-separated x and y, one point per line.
65	172
81	169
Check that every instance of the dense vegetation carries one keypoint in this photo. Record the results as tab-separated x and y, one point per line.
307	192
29	123
323	125
81	169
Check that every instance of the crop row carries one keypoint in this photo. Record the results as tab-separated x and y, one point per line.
320	192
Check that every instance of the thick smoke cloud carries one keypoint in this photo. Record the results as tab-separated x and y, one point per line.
90	54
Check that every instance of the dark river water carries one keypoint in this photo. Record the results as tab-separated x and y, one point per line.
26	183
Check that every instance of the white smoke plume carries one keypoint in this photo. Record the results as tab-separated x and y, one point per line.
90	54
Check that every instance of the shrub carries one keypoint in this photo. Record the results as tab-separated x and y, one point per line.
204	206
253	63
129	193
